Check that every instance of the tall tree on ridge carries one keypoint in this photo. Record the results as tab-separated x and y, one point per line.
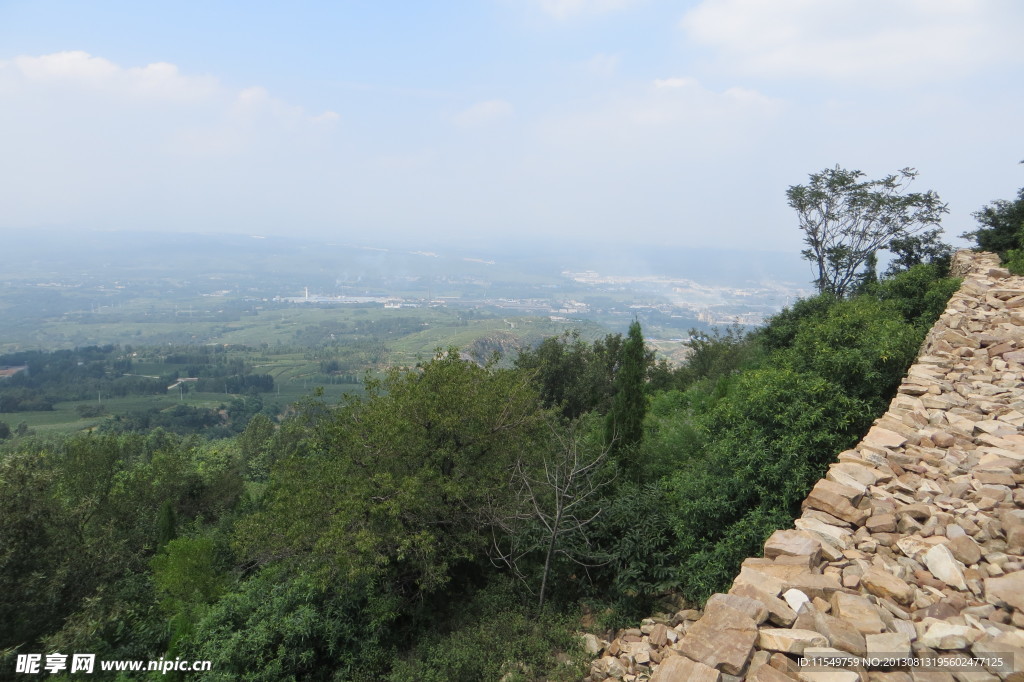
624	425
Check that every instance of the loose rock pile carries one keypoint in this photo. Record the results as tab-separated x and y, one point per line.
907	558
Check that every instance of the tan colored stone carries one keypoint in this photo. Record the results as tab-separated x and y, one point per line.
825	527
882	584
592	644
682	669
788	640
659	635
838	500
766	673
796	599
881	523
792	543
943	635
1004	645
943	566
858	612
957	340
778	610
814	584
783	663
839	633
888	645
1013	526
965	550
883	438
757	611
762	581
722	639
1007	590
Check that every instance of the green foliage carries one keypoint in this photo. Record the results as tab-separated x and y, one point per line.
711	566
545	532
1014	261
496	637
32	540
82	526
400	484
925	248
1001	227
764	445
783	327
716	355
185	572
285	625
573	375
187	581
90	410
670	432
635	532
919	293
862	344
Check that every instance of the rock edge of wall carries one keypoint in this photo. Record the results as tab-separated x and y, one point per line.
906	561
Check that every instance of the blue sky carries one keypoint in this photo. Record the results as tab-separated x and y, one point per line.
662	122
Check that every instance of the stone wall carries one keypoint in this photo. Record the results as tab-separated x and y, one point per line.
909	548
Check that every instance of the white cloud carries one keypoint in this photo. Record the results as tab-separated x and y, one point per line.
76	69
674	82
483	113
565	9
155	107
78	74
883	40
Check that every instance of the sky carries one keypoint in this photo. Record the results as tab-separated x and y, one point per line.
592	121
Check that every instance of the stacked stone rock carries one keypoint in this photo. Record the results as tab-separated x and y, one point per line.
911	545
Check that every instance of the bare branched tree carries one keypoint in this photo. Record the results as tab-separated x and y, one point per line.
553	506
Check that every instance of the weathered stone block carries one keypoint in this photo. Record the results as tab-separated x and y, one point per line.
722	639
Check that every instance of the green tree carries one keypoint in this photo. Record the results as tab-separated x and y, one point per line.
1001	223
573	375
624	425
926	248
256	444
187	582
863	345
399	486
1002	230
847	219
166	524
716	354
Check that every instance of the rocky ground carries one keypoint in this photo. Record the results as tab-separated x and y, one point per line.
906	562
